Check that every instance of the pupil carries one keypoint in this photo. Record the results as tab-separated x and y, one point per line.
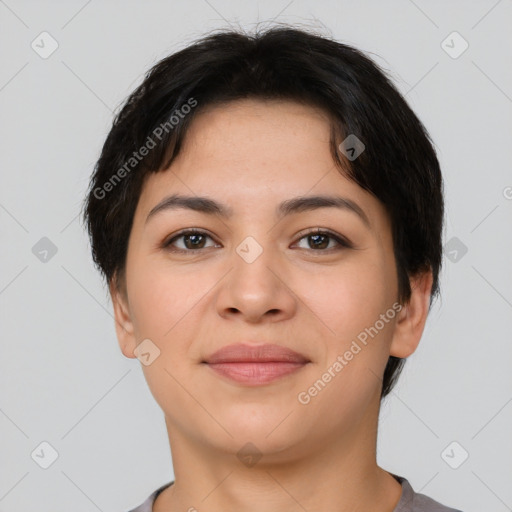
194	239
316	238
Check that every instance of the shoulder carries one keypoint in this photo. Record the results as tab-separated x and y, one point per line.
147	505
412	501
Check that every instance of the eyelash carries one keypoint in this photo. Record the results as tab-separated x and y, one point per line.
342	242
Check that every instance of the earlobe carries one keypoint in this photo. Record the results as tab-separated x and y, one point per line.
412	317
123	322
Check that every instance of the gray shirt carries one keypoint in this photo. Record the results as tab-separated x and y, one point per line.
410	501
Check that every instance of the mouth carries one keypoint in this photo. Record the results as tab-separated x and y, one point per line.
255	365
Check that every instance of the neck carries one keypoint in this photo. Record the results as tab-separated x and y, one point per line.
333	473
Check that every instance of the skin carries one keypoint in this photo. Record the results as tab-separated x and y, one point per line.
251	155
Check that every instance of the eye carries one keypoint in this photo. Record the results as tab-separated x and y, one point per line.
192	239
319	240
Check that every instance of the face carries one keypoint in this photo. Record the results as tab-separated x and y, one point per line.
311	279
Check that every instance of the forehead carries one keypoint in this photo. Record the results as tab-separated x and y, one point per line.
253	152
254	122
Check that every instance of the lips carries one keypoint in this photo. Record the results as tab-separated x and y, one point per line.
255	365
240	353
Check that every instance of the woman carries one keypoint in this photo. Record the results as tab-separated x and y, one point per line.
267	212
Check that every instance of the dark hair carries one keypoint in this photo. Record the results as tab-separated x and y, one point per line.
398	165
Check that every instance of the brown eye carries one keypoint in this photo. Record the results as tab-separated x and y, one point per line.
189	241
320	240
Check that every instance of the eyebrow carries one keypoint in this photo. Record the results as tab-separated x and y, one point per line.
290	206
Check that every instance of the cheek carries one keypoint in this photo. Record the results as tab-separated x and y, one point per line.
158	299
347	299
163	303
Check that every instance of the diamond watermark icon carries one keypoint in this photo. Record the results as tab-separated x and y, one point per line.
455	249
454	455
44	455
249	455
249	249
146	352
44	250
454	45
352	147
44	45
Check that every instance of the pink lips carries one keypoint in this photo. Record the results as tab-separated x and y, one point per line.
255	365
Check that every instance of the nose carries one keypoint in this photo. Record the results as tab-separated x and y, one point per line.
256	290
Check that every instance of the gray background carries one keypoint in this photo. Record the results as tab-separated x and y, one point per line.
63	379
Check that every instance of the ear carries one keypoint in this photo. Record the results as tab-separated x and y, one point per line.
124	325
412	317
